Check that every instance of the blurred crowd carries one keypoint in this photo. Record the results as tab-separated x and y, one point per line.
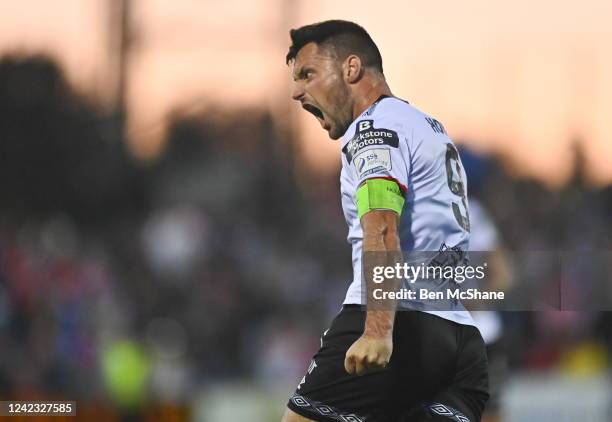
138	281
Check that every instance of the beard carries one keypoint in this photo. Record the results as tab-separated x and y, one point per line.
343	113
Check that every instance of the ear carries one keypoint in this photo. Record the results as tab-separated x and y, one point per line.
353	69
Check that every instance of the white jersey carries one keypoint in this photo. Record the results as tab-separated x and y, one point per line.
394	140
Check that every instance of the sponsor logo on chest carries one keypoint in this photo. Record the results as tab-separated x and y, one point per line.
367	135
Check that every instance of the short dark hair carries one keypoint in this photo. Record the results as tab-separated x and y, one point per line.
344	37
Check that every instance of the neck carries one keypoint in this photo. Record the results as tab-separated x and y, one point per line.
371	91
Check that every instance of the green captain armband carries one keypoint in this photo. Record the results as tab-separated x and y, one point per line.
376	194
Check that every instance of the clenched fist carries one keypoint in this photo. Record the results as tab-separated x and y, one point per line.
368	354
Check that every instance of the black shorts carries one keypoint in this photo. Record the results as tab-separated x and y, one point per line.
437	372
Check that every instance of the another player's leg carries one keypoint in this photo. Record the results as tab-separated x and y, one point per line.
291	416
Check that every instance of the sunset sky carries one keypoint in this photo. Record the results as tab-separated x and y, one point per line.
520	79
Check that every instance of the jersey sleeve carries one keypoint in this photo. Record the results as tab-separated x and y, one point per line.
378	158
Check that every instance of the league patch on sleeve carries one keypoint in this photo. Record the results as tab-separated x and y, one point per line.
372	161
367	135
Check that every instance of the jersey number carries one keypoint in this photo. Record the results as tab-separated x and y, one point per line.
455	184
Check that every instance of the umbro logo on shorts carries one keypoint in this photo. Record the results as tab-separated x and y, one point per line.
449	412
325	410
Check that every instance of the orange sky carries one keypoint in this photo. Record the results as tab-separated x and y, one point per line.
518	78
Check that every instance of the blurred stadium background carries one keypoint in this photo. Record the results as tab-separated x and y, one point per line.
171	239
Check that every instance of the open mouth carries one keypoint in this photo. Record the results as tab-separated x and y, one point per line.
315	112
